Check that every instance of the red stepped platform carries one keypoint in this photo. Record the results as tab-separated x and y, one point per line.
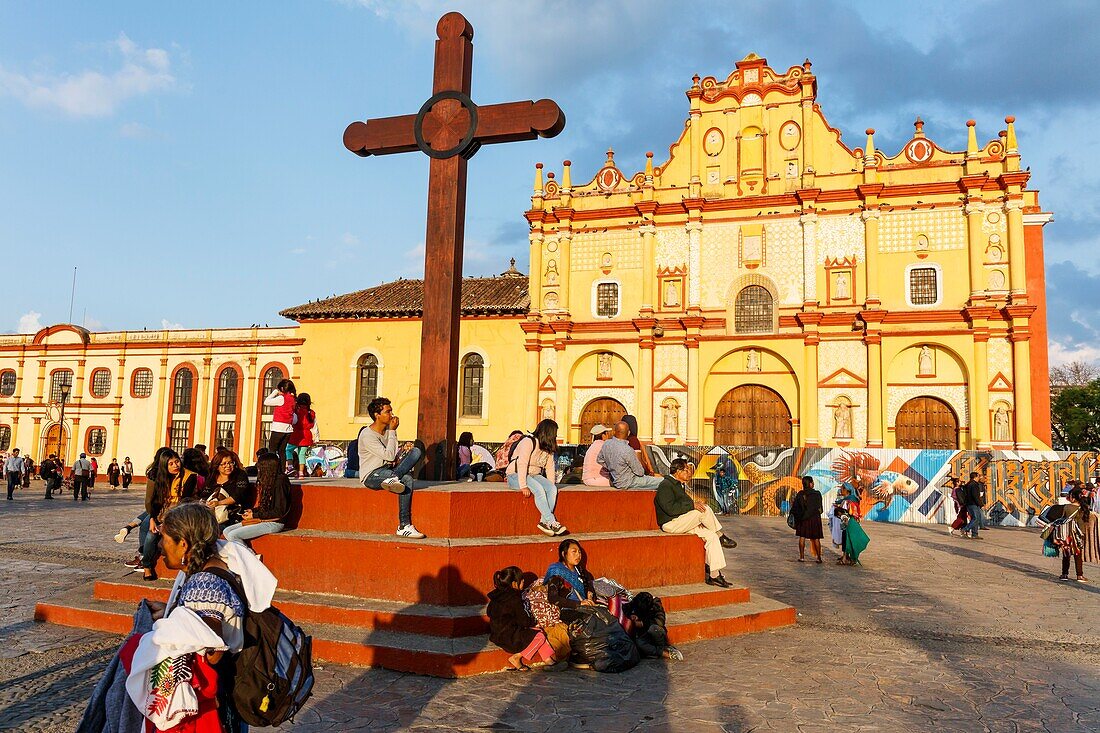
372	599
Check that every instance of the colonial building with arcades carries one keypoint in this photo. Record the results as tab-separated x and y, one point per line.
761	284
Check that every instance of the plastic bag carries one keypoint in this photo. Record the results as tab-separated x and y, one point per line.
1049	549
599	640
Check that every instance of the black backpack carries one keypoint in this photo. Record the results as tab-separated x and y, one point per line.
274	672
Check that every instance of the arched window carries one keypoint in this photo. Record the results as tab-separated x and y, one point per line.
5	437
272	376
473	385
179	426
141	383
61	385
101	382
96	444
753	310
7	383
367	386
225	420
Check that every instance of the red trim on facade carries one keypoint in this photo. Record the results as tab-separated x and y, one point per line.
152	378
87	437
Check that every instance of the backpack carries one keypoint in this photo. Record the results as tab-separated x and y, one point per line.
512	450
274	672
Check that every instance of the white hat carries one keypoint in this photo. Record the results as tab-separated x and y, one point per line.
599	429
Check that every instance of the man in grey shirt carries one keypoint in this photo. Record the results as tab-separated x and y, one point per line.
622	462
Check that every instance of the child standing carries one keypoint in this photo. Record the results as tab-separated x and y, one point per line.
284	399
304	434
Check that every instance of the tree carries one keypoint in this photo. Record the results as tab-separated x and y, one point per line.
1073	374
1075	414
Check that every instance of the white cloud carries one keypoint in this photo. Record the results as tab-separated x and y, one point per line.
169	326
1061	353
30	322
91	93
135	130
349	239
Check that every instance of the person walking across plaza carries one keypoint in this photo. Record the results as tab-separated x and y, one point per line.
82	472
807	508
679	513
28	471
284	398
972	496
113	473
127	471
46	471
385	464
958	498
622	462
1072	538
94	473
13	472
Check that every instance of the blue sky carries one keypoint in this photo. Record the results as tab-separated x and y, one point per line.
187	157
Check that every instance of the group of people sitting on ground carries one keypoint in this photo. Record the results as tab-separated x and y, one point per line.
568	616
242	510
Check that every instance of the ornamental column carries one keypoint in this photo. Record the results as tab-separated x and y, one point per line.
565	246
808	383
979	387
872	337
693	325
1020	336
809	259
644	398
975	245
649	276
1016	257
694	229
870	218
534	276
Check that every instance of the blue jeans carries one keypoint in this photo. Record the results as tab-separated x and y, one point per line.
644	482
143	529
545	493
402	471
981	518
240	532
975	519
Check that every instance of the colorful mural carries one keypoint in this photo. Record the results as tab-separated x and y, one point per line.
895	485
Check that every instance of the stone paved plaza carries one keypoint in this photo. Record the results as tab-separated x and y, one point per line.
933	633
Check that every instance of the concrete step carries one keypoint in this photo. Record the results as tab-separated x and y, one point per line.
459	571
422	653
433	620
466	509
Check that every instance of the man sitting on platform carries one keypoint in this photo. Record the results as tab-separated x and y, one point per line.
384	464
622	462
678	513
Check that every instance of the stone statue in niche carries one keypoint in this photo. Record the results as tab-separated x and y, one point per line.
1002	430
672	293
670	419
996	280
603	366
550	277
843	288
548	410
550	302
752	360
925	367
842	421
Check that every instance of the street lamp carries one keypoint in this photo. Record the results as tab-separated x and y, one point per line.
65	389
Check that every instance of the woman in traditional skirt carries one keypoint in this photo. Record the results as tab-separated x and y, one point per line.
807	509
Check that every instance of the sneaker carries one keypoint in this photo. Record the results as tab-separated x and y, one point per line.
727	542
135	563
121	535
393	484
1082	579
1063	577
975	536
718	581
559	529
410	532
673	654
546	529
951	532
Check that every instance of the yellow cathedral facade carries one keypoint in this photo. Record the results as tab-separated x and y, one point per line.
763	284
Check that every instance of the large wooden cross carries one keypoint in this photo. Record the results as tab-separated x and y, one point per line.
449	129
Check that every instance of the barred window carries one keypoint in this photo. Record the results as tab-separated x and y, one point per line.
179	435
61	385
607	300
473	382
752	311
101	382
272	376
7	383
227	391
5	437
368	381
97	441
923	286
181	391
141	383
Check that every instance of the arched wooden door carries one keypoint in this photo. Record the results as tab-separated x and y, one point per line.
52	442
926	422
752	415
602	411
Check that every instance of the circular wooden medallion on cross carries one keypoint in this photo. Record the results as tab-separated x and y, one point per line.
445	126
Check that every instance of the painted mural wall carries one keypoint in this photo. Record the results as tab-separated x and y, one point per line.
895	485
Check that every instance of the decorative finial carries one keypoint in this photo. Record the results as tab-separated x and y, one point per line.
695	81
1011	145
806	65
538	179
566	178
918	125
869	153
610	157
649	165
971	139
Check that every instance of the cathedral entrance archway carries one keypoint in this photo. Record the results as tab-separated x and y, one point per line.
927	422
752	415
601	411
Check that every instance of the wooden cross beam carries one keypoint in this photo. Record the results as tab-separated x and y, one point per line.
449	128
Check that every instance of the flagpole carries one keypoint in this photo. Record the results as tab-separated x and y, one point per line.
72	297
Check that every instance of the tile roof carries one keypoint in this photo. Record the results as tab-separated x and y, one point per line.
504	294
